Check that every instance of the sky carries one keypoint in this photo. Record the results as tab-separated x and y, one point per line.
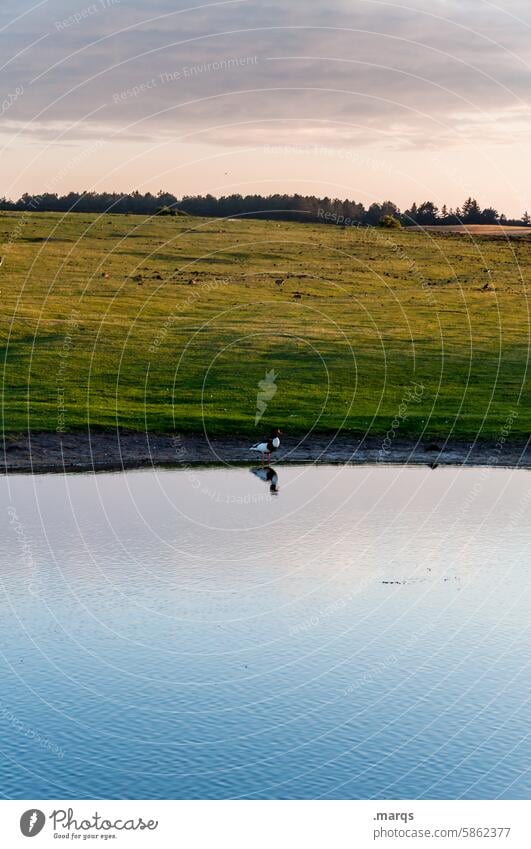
364	99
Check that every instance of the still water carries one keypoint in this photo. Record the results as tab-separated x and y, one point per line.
361	633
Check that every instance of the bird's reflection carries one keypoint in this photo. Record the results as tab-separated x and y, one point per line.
268	475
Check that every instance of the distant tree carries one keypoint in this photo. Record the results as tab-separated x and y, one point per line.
354	211
526	219
489	215
471	211
284	207
427	213
390	222
373	214
411	214
390	208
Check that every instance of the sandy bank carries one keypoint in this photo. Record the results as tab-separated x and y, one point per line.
100	451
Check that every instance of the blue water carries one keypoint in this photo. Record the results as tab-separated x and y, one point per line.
362	634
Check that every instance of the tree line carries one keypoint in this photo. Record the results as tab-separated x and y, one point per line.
283	207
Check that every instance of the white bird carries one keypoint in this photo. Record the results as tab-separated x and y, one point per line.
268	447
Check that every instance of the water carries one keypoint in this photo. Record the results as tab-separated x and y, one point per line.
361	634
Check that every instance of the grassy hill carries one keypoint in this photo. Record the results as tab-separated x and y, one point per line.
171	323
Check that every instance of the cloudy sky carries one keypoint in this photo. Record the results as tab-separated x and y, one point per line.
421	99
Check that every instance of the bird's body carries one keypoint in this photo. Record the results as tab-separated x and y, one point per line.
268	446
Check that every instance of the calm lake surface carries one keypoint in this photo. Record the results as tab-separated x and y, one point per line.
363	633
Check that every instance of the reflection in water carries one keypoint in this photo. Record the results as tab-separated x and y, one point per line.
268	475
185	634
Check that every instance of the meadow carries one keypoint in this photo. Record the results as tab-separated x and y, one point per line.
171	323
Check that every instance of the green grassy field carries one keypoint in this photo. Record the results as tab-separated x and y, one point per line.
171	323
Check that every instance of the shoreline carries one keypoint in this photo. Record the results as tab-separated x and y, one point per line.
102	451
